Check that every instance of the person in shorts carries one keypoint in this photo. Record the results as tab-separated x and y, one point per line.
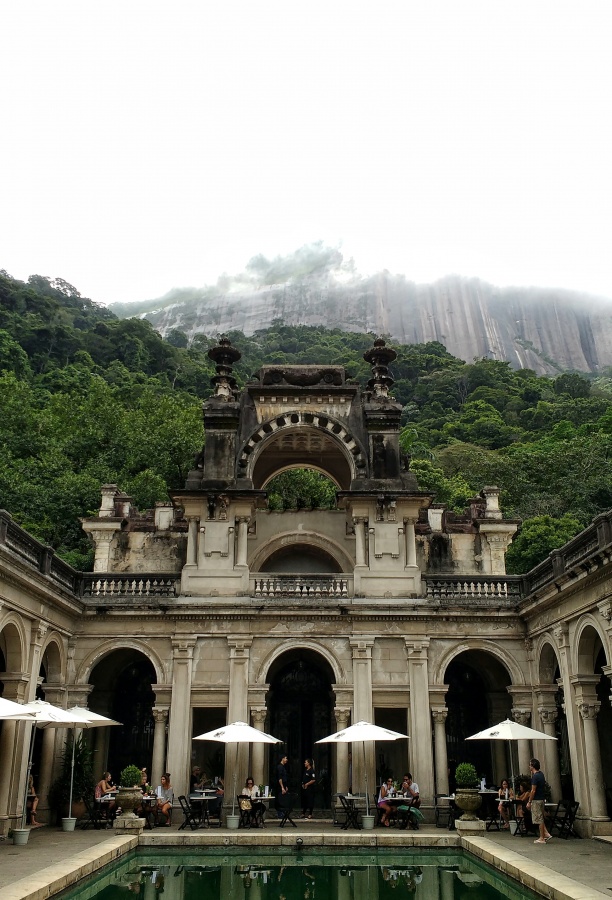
535	804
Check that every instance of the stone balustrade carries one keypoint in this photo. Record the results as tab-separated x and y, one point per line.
129	586
302	587
479	590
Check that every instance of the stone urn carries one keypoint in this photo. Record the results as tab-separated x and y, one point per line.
128	799
469	800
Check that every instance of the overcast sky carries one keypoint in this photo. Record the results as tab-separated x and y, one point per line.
149	145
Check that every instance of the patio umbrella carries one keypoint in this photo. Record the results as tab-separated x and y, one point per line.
10	710
87	719
42	715
362	732
238	733
510	731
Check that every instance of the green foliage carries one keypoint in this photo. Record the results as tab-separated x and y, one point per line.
130	777
466	776
536	538
83	782
301	488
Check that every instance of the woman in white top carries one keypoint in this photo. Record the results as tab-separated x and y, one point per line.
383	804
165	797
257	807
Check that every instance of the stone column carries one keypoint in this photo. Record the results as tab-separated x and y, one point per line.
363	710
14	747
421	749
548	717
241	550
342	752
411	559
360	541
439	719
179	733
158	764
588	713
523	717
237	755
258	770
192	541
37	635
102	540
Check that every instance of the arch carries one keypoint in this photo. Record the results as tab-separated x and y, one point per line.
305	538
96	656
309	439
293	465
502	656
53	658
13	641
292	644
547	660
589	639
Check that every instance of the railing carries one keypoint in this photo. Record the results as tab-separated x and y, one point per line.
302	587
36	554
477	590
129	586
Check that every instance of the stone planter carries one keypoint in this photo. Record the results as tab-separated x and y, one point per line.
368	822
20	836
68	823
232	821
128	799
469	800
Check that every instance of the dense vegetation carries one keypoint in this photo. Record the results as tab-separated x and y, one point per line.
86	398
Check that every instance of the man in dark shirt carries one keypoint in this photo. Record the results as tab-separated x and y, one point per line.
282	786
536	800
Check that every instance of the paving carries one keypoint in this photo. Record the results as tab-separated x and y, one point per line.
578	869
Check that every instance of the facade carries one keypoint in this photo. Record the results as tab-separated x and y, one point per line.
213	608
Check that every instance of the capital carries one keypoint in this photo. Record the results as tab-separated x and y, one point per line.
439	716
589	710
547	715
258	714
521	716
342	717
159	715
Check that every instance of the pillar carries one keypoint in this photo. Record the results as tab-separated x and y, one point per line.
237	755
409	531
179	733
363	711
342	783
548	718
523	717
588	713
241	550
192	541
14	747
439	720
421	749
258	768
158	766
360	541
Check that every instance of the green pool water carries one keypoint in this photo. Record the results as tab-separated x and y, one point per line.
313	874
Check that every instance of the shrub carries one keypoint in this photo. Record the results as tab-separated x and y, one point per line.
466	776
130	777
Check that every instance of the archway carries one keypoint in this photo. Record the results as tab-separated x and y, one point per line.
300	704
122	690
477	697
550	674
593	690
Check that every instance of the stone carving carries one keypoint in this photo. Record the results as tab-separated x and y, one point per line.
306	376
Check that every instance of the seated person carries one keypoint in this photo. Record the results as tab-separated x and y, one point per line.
215	804
165	798
410	789
32	803
196	779
505	793
144	781
522	812
383	804
258	808
104	787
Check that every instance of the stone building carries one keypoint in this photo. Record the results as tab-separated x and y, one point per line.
214	608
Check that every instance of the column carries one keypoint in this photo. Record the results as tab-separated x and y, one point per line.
360	542
439	720
548	718
46	771
241	550
37	635
363	711
14	747
158	767
523	717
411	559
421	749
258	769
342	752
588	713
192	541
179	733
237	755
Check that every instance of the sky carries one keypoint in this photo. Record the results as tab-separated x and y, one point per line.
152	145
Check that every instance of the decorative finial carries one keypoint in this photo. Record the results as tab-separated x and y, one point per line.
379	356
224	356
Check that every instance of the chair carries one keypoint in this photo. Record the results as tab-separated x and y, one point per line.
351	813
246	811
564	820
408	815
444	815
93	816
521	815
285	807
494	818
190	817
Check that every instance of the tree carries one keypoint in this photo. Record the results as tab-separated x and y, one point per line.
301	488
536	538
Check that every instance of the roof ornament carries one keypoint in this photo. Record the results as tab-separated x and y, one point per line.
224	356
379	356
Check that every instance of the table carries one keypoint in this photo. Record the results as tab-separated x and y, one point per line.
202	797
149	805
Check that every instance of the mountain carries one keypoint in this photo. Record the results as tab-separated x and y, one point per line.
541	329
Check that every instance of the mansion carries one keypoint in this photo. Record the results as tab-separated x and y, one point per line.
214	608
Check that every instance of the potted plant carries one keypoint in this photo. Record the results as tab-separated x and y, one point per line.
467	797
130	793
83	781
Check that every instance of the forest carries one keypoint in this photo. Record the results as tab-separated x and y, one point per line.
87	399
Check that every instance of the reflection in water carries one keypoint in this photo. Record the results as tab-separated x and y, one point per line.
358	877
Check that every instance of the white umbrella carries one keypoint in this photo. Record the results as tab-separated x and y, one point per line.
86	719
238	733
42	715
10	710
510	731
362	732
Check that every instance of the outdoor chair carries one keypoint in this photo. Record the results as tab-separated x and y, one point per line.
408	816
190	816
521	815
564	820
444	814
338	812
93	816
351	813
245	808
285	807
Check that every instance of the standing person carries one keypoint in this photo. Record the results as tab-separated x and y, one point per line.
536	801
308	789
282	787
32	803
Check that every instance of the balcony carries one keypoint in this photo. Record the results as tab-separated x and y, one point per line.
474	590
301	587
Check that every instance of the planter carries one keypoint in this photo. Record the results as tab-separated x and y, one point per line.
513	826
469	800
20	836
68	823
232	822
368	822
128	799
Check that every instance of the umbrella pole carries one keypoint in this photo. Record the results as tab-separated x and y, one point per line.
235	778
365	773
72	772
27	779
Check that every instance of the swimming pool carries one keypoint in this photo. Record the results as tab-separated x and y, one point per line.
314	874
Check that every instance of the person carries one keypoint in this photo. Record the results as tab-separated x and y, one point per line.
216	803
383	804
195	779
308	789
537	797
282	780
165	797
522	796
258	808
505	793
410	789
104	787
32	803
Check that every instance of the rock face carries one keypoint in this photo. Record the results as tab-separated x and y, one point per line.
541	329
